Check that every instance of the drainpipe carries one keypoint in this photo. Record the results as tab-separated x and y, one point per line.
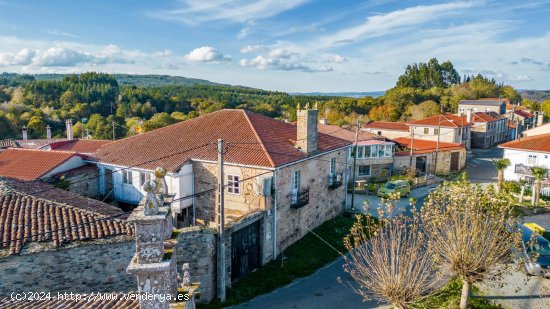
193	199
275	194
347	169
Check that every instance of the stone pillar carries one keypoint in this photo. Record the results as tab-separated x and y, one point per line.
25	133
48	132
69	126
306	129
154	268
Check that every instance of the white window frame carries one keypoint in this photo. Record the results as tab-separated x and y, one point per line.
332	166
388	151
127	177
361	152
144	177
296	179
233	184
426	131
363	166
374	151
532	159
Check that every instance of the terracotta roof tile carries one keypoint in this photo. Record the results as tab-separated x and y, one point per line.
37	143
398	126
54	216
343	133
512	106
537	143
425	146
447	120
30	164
523	113
265	142
483	117
85	146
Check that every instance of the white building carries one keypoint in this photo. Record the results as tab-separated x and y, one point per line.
525	153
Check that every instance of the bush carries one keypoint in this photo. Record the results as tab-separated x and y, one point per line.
511	187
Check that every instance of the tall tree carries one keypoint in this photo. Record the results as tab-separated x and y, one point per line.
471	232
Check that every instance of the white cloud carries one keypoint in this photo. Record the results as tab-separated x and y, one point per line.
241	11
244	33
60	33
336	58
283	60
252	48
206	54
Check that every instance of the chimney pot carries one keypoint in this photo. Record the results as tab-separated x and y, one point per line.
69	125
25	133
469	115
48	132
306	129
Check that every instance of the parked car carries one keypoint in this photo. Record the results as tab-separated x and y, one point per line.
536	250
393	187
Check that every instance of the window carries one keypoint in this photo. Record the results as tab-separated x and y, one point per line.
388	151
368	151
426	131
436	131
462	110
352	152
296	180
333	165
143	177
127	177
364	170
233	184
381	151
374	151
532	160
360	152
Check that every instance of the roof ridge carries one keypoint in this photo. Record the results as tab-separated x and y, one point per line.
44	151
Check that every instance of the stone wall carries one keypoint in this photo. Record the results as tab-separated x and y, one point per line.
324	203
443	161
96	266
84	180
197	246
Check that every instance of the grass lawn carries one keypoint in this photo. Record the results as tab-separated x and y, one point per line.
449	297
302	258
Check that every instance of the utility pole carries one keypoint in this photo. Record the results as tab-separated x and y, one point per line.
220	218
354	163
412	147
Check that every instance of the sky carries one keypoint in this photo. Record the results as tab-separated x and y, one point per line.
285	45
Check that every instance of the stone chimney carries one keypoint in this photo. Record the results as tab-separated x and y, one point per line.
48	132
306	129
69	125
469	115
323	121
25	134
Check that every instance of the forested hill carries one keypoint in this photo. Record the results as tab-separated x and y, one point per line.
122	79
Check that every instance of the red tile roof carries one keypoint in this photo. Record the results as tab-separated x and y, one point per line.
343	133
537	143
30	164
252	139
53	215
37	143
483	117
397	126
425	146
446	120
85	146
523	113
509	107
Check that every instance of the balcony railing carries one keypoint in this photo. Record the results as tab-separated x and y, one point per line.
335	180
299	198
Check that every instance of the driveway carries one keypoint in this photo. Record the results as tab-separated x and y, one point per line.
479	165
320	290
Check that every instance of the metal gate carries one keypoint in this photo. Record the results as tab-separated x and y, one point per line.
245	250
455	158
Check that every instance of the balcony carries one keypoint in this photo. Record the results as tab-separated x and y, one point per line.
300	198
335	180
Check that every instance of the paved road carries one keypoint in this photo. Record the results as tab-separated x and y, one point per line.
519	291
479	165
320	290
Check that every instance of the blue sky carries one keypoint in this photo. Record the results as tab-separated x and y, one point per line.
292	45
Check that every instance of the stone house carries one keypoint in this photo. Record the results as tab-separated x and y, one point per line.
57	241
429	156
280	179
374	157
446	128
387	129
488	129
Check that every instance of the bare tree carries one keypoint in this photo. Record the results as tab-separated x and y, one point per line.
471	232
389	259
